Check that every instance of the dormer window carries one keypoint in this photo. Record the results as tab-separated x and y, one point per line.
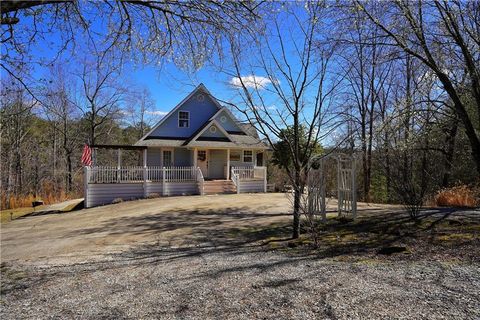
183	119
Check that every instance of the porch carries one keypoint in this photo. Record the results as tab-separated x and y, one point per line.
104	184
214	163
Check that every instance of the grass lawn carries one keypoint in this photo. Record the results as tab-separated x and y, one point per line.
8	215
443	234
12	214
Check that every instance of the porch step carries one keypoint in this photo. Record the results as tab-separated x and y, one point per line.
219	187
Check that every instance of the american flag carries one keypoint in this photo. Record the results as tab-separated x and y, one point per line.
87	156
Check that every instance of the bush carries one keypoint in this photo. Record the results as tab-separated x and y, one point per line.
459	196
117	200
153	195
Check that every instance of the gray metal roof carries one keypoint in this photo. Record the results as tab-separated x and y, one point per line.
238	141
159	143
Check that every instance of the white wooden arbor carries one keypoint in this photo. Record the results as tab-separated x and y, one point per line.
346	186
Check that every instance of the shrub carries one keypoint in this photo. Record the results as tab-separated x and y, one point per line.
153	195
459	196
117	200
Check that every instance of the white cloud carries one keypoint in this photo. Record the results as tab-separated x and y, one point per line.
126	112
270	108
250	81
156	113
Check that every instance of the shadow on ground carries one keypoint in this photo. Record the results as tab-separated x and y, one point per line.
436	234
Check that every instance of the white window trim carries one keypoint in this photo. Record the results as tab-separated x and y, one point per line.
240	153
178	119
173	155
243	156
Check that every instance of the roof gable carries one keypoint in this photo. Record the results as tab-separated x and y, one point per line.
200	105
214	130
207	133
228	121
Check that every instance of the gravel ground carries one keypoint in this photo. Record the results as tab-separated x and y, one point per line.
205	259
241	283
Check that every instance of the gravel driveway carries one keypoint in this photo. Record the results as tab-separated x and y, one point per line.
208	277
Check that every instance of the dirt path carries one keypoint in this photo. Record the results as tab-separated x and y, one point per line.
98	232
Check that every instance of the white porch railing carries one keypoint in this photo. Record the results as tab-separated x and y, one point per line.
235	179
244	174
138	174
115	175
180	174
155	173
250	173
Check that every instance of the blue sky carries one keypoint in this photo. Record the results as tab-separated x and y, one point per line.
167	84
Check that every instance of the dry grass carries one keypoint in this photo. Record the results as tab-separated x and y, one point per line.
12	214
8	215
459	196
22	201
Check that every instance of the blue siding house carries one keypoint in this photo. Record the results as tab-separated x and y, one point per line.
200	132
199	147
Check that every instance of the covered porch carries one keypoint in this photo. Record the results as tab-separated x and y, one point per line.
214	163
175	171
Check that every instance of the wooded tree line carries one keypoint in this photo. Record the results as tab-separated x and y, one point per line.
396	82
42	141
413	72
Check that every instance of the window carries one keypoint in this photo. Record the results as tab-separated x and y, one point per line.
201	155
183	119
260	159
167	158
247	156
200	97
235	155
213	129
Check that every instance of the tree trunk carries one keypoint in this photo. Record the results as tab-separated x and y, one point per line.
406	119
387	168
69	173
449	153
296	208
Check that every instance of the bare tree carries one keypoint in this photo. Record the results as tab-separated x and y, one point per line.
283	84
187	32
60	110
367	66
15	113
101	95
445	37
140	110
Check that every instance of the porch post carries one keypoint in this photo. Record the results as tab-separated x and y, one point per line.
144	157
264	179
195	153
145	173
85	185
119	164
164	191
228	164
119	158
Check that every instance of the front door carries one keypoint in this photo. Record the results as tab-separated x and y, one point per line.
216	164
202	162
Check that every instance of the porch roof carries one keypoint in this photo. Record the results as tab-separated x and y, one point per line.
117	146
160	143
238	142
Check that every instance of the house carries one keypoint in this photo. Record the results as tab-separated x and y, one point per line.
199	147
